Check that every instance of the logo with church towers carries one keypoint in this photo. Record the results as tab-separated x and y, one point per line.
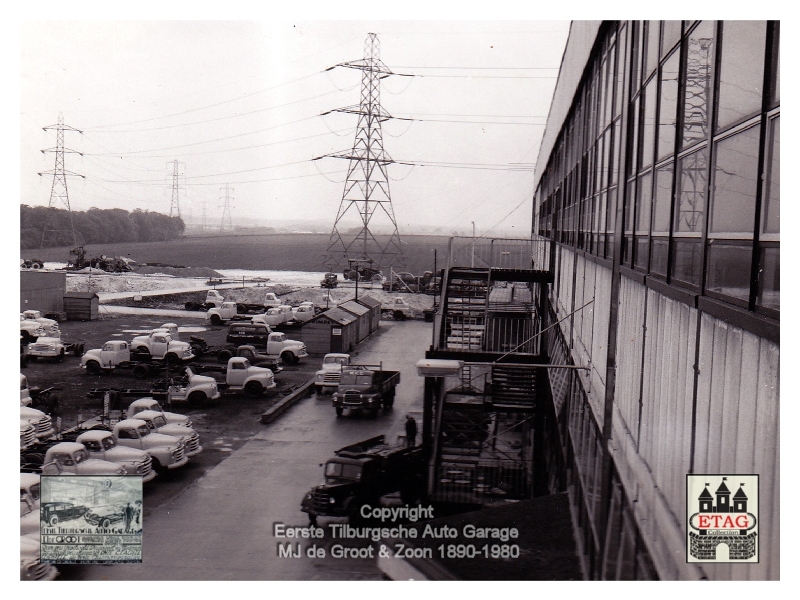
722	526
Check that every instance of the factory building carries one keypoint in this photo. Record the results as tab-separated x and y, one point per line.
656	205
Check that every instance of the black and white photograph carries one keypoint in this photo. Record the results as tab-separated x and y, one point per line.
437	299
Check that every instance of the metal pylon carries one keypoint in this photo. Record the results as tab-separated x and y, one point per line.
366	187
59	193
175	207
227	223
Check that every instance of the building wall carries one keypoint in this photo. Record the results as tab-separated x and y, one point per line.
42	290
659	191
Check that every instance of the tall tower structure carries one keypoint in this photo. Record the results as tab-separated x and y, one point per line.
366	187
59	193
227	224
175	206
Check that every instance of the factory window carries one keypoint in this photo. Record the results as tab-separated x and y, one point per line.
670	35
732	215
741	71
667	119
662	203
643	198
651	57
769	289
689	217
698	77
648	122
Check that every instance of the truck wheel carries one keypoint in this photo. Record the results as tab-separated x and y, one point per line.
198	350
60	356
241	309
197	399
172	359
289	358
79	349
53	521
224	356
190	305
93	367
339	411
215	320
139	371
254	388
399	315
106	523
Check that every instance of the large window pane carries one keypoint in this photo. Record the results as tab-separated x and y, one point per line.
771	204
729	266
661	212
669	105
648	123
651	58
733	197
769	282
697	97
670	35
643	199
741	72
693	183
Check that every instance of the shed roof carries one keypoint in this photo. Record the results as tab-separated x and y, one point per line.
369	301
354	307
335	314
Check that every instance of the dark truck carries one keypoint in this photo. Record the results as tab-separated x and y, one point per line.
360	474
365	387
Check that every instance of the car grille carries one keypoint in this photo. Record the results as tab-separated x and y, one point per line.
177	454
193	444
352	397
332	378
28	438
143	467
321	500
41	348
43	425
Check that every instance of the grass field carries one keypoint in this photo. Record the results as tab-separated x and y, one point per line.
285	252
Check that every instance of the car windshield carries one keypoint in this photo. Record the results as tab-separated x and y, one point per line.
109	442
335	470
81	455
336	360
357	379
159	421
143	430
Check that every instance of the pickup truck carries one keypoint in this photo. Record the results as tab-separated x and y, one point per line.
73	458
213	298
116	354
270	301
331	280
273	317
29	330
157	423
360	474
400	309
228	311
141	404
261	336
159	345
166	451
256	358
104	446
47	347
304	312
365	387
326	380
50	325
241	376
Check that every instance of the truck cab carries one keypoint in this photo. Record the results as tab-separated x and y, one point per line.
326	380
221	313
271	300
172	418
112	354
242	376
290	351
158	424
166	451
214	298
103	445
272	317
194	389
50	326
73	458
160	345
304	312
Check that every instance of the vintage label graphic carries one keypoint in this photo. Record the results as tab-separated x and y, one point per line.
91	519
722	518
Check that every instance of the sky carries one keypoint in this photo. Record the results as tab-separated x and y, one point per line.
240	103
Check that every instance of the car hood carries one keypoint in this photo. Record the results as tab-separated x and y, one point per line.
152	440
176	431
125	454
95	466
198	380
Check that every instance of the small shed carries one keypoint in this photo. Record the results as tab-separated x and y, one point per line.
331	331
81	306
362	314
374	307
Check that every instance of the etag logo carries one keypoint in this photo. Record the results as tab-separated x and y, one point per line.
722	518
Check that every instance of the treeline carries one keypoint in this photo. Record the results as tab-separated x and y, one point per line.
41	226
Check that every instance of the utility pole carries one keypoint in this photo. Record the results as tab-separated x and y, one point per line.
58	191
366	187
227	224
203	224
175	207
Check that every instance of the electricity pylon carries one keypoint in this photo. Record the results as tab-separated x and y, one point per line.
366	186
59	192
175	206
227	224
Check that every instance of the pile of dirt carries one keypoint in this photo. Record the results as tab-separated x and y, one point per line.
177	271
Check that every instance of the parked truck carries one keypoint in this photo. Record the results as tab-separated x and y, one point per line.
103	445
213	298
227	311
166	452
116	354
360	474
50	325
365	387
160	346
326	380
256	358
72	458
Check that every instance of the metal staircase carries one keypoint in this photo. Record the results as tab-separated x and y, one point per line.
513	387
